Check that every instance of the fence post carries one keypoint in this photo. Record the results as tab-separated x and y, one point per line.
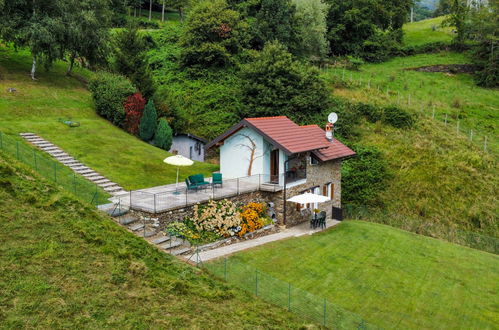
471	135
225	269
485	143
256	282
457	127
17	149
34	157
1	141
433	113
325	312
409	100
289	297
445	120
154	205
55	172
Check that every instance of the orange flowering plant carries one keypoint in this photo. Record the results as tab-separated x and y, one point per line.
253	218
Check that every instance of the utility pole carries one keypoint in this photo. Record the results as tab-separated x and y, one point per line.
412	14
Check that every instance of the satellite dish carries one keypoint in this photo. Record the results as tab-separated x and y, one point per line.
332	118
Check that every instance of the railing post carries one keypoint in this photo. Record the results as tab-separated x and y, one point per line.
34	157
256	282
154	203
289	297
130	204
55	172
17	149
225	269
1	141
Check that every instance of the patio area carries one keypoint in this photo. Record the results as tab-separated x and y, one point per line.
168	197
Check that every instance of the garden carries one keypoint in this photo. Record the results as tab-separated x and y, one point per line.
220	219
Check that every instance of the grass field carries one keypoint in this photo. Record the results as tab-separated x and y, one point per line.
37	106
454	95
64	265
426	31
391	278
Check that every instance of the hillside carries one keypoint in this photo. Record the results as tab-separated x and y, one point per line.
64	265
37	106
391	278
441	182
426	31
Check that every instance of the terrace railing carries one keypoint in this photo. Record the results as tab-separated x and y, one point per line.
173	198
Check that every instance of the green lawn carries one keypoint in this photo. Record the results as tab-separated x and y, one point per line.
391	278
64	265
426	31
38	105
454	95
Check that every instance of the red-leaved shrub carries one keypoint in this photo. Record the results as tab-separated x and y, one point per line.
134	106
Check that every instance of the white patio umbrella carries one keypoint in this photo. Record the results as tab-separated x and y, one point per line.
308	198
178	160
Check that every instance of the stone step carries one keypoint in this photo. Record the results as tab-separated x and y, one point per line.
136	227
27	134
171	245
161	240
94	174
148	233
67	159
119	192
85	171
34	139
78	167
101	181
93	177
105	184
180	251
57	154
49	148
113	188
44	145
128	220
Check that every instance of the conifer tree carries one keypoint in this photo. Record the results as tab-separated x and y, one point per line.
164	135
148	122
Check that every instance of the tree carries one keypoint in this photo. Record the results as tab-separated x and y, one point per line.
252	147
459	14
213	35
134	106
164	136
276	84
312	28
148	122
131	61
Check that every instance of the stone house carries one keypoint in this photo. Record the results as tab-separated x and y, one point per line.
188	145
287	160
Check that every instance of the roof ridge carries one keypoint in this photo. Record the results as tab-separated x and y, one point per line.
312	125
271	117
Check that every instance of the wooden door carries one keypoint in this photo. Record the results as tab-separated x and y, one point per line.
274	166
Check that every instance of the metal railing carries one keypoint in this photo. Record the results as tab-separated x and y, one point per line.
283	294
171	197
53	170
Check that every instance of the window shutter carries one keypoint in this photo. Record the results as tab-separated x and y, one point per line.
298	206
332	191
324	190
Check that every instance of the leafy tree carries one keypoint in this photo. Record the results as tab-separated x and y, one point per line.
312	28
443	8
458	18
134	106
164	135
276	84
213	34
109	91
148	122
131	61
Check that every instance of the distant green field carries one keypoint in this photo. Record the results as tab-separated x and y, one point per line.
391	278
426	31
37	106
454	95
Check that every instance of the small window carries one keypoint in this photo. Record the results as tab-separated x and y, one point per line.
313	160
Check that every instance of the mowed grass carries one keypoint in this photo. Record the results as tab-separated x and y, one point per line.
391	278
426	31
453	95
64	265
37	106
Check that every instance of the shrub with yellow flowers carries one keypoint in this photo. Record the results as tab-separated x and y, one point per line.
222	217
253	218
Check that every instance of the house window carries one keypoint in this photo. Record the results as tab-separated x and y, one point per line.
313	160
328	190
190	152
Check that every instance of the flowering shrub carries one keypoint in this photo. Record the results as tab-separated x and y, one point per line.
221	217
180	229
252	218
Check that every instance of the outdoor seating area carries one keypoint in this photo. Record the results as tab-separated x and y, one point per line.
318	220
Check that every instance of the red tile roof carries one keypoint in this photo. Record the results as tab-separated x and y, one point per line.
291	138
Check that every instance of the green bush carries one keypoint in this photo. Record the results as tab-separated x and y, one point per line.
148	122
372	113
397	117
164	136
363	177
109	91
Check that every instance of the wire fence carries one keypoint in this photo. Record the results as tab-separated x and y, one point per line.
486	142
462	237
283	294
53	170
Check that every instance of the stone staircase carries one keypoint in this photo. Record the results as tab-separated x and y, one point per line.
147	228
78	167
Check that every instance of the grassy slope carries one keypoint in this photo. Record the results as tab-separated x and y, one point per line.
438	176
64	265
421	32
37	106
391	278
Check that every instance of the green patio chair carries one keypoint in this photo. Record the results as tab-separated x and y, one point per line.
216	179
